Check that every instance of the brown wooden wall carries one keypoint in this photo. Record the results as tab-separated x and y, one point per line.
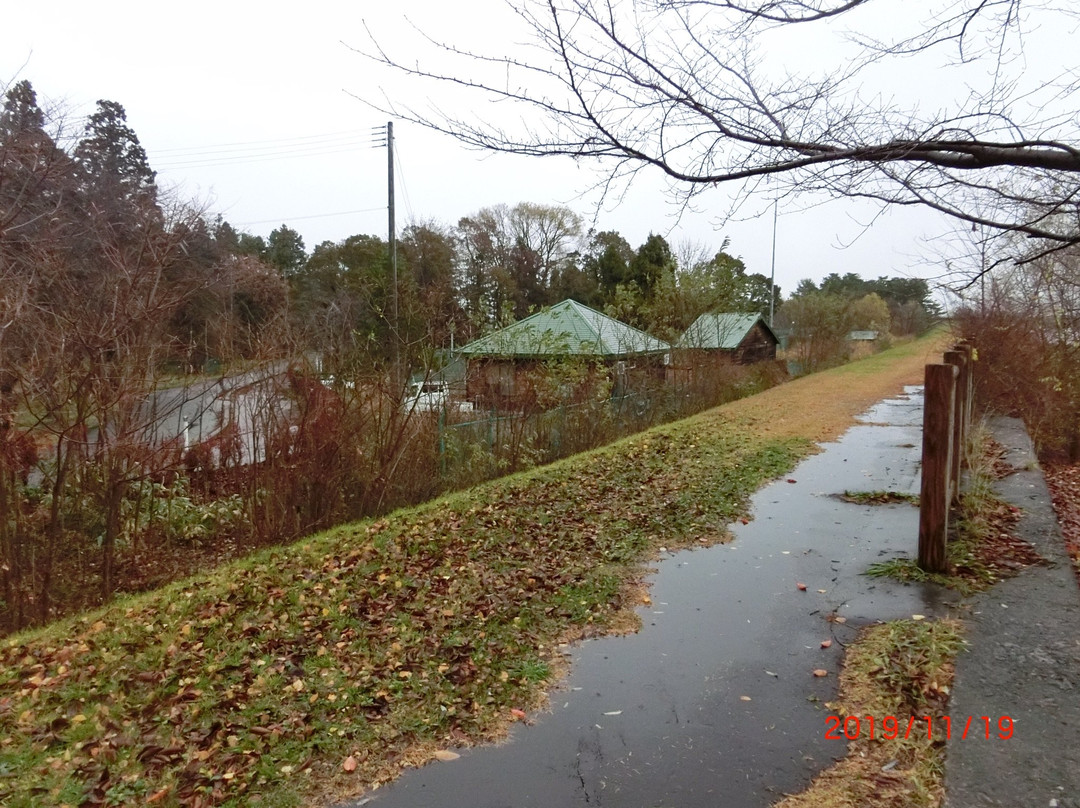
510	385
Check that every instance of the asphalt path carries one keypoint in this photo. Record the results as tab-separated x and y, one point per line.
715	702
1022	667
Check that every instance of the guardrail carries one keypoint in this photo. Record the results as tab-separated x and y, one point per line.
946	422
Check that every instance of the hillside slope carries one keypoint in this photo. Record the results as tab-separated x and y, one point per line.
321	668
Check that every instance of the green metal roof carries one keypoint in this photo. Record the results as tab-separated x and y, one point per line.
566	329
721	331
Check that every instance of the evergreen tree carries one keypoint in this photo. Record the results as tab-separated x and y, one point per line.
113	166
285	250
649	264
34	173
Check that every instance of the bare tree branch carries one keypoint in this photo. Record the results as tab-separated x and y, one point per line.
680	86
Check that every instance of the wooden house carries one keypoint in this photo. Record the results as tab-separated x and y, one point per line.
510	369
740	338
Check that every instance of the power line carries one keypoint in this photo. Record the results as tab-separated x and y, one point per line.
404	187
256	158
281	219
264	143
259	151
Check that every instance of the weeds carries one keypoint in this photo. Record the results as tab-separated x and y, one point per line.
879	497
981	549
901	669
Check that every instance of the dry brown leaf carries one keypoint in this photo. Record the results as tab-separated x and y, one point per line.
349	764
821	672
826	643
446	754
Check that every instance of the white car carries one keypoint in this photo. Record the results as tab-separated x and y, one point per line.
432	397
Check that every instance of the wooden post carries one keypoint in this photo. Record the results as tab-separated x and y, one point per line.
959	359
969	377
968	380
940	396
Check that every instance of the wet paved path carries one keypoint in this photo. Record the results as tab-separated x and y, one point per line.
659	718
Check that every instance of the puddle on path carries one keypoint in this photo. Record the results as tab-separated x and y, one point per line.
658	718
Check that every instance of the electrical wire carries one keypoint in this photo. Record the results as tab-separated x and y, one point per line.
281	219
399	165
243	152
250	144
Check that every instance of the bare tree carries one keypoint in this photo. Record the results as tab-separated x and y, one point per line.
692	88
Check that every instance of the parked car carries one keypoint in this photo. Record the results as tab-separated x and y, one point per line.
432	397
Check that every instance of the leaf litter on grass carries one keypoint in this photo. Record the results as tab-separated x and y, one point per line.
324	667
378	644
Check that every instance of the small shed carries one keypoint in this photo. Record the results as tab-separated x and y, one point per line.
862	343
503	366
741	338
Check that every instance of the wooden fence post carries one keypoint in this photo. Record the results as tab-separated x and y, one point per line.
960	425
968	379
940	403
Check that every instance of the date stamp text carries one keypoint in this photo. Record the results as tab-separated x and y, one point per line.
852	727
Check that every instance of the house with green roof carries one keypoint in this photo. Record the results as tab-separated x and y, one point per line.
735	337
504	367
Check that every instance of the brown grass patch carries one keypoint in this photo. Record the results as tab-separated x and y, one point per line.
901	670
822	406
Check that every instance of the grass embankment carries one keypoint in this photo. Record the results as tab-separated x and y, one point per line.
320	669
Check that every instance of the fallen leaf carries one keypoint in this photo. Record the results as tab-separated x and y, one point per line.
349	764
446	754
745	698
822	591
802	587
839	619
790	480
157	796
821	672
518	713
918	617
826	643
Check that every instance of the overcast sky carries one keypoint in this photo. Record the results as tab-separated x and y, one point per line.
251	108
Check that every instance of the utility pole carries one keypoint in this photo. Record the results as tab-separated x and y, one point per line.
772	277
386	138
392	228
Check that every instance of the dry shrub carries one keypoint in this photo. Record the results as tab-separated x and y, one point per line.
325	454
1030	370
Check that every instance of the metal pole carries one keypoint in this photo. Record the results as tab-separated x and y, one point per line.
772	277
392	239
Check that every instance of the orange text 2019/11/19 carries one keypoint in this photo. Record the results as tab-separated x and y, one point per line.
852	727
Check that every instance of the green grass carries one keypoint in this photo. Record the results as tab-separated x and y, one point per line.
378	641
875	363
